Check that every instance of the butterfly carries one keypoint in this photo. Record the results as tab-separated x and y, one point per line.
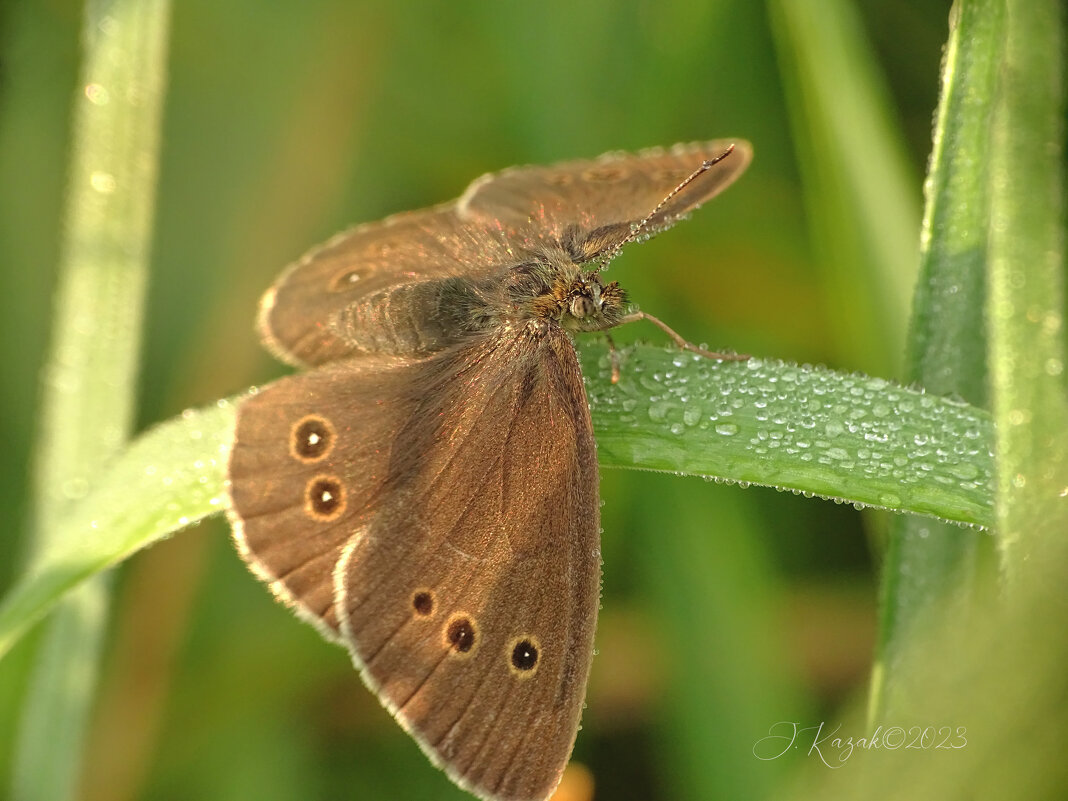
425	493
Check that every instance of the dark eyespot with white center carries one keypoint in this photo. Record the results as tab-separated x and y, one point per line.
523	655
349	278
461	635
311	438
324	498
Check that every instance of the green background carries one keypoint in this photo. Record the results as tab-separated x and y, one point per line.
724	611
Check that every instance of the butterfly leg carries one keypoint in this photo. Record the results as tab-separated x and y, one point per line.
635	316
613	355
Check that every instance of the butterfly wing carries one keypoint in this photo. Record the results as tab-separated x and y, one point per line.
449	536
302	316
587	207
289	435
590	206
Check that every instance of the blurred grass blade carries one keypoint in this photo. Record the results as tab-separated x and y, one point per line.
170	477
1025	303
946	351
90	379
725	656
970	731
860	195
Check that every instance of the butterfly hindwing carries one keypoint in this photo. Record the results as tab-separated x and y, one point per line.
333	423
490	542
426	540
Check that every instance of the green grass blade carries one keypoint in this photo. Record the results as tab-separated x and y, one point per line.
947	341
90	380
859	191
805	429
1025	303
169	478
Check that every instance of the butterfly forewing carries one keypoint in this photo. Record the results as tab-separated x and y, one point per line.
501	220
303	316
573	200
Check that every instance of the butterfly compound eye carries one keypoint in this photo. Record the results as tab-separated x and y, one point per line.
582	307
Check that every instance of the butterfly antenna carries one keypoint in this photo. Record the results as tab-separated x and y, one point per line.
639	229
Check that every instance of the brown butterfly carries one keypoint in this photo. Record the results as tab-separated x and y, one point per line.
427	494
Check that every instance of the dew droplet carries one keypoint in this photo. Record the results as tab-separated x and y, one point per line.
103	182
659	410
97	94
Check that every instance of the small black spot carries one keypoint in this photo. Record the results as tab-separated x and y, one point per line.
423	603
325	497
525	655
461	635
312	438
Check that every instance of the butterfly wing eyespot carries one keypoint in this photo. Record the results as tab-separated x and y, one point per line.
423	602
523	653
324	498
461	635
312	438
349	278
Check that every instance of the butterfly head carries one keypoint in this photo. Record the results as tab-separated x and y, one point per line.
584	303
557	290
